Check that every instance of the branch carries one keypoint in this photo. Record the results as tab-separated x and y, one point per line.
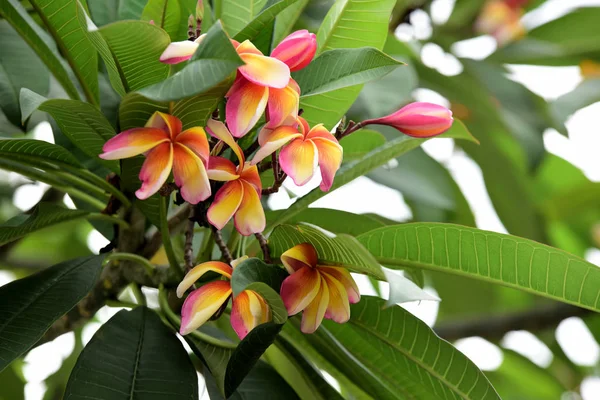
221	243
176	222
188	252
264	247
495	327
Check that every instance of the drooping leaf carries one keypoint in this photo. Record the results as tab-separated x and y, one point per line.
343	250
493	257
32	304
340	68
44	215
38	40
585	94
254	270
61	19
36	153
370	161
212	64
406	356
81	122
344	28
133	355
136	47
19	67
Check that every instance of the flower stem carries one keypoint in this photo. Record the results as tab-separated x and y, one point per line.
166	237
221	243
264	246
108	218
188	252
131	257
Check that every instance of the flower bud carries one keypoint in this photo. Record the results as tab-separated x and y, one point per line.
501	20
297	50
420	120
200	10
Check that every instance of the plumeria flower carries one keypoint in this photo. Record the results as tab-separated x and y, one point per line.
419	120
302	149
239	198
249	309
166	147
502	20
319	291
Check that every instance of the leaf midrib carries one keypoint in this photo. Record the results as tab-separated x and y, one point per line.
138	354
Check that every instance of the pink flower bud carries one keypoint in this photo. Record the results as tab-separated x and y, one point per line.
297	50
199	10
420	120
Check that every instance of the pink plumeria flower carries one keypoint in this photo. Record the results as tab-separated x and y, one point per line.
319	291
304	149
239	198
421	120
249	309
502	20
166	147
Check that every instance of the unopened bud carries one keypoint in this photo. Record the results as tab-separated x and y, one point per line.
297	50
420	120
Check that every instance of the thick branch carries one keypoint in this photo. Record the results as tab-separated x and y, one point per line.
495	327
222	245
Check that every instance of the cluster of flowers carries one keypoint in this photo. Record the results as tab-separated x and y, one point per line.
263	85
502	20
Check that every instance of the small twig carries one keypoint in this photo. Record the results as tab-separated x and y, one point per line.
188	252
221	243
167	189
264	246
265	166
351	128
175	223
277	174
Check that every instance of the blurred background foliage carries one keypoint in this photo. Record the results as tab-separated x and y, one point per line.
535	193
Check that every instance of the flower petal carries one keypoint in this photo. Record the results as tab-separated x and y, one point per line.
246	47
202	304
301	255
273	141
299	289
226	203
330	155
246	102
221	169
338	308
177	52
260	69
250	175
199	270
195	139
220	131
166	122
250	217
283	104
133	142
248	310
314	313
298	159
190	175
155	170
342	275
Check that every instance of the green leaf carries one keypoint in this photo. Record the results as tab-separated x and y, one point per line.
36	153
403	290
235	15
212	64
335	221
38	40
260	28
406	356
493	257
130	9
133	355
61	19
343	250
19	67
103	12
44	215
585	94
370	161
254	270
131	182
214	357
12	383
136	47
196	110
340	68
286	19
360	143
168	15
349	24
81	122
32	304
135	110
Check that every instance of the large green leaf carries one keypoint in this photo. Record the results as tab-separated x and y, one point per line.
493	257
585	94
343	250
37	39
61	19
406	356
135	110
136	47
36	153
32	304
133	355
360	143
335	221
285	21
340	68
212	64
81	122
196	110
370	161
19	67
348	24
130	9
236	14
167	14
44	215
103	12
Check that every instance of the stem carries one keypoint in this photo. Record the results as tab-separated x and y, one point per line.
131	257
166	237
264	246
108	218
138	294
205	252
90	188
174	318
221	243
188	252
351	128
277	174
104	184
119	303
